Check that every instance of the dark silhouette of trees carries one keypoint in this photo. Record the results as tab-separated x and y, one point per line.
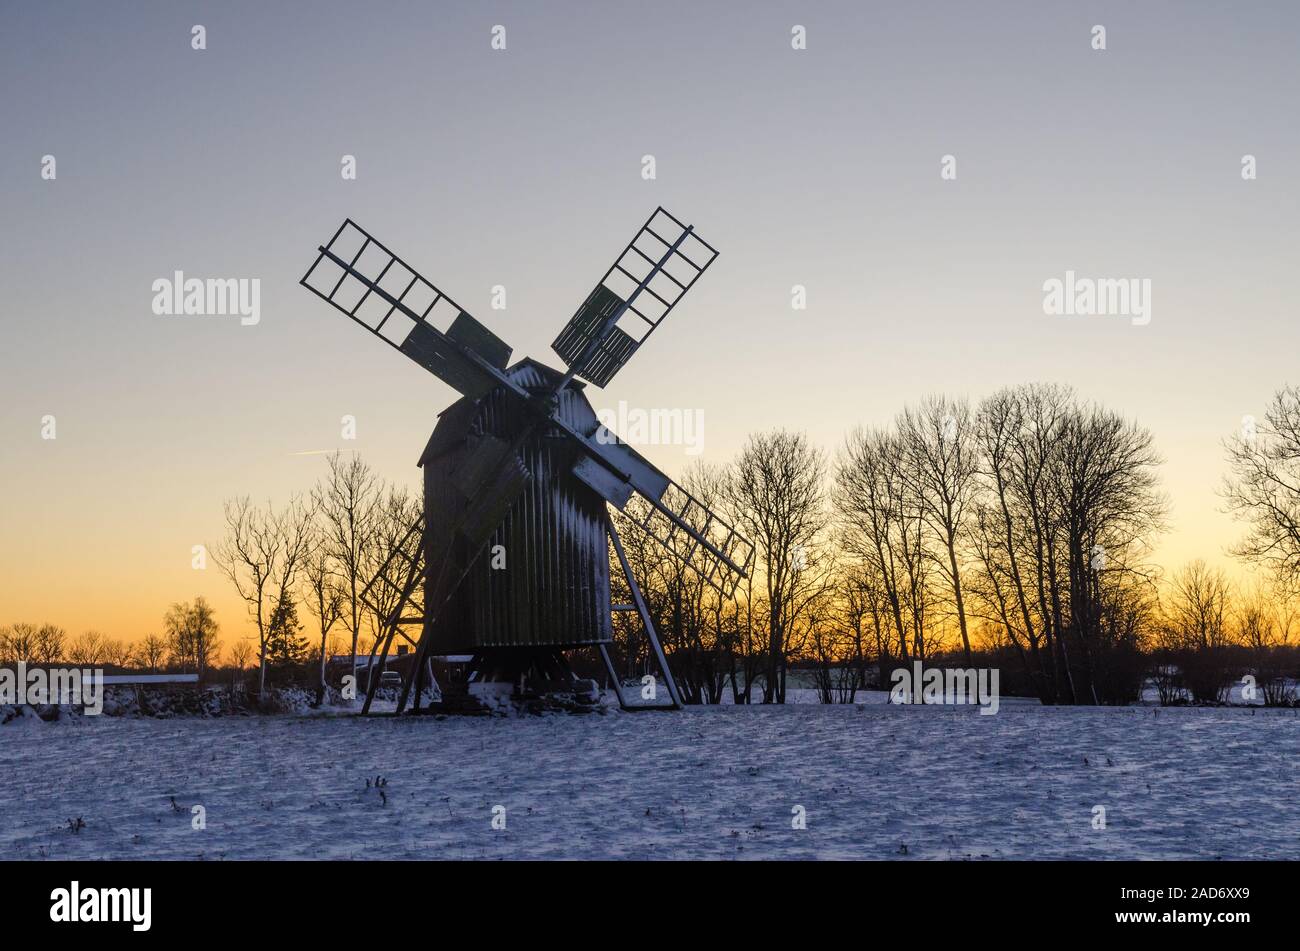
776	494
191	635
1017	531
151	652
881	529
324	596
940	464
348	500
1262	488
1198	629
86	649
1035	509
1104	485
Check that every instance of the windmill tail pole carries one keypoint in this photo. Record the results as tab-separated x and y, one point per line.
441	596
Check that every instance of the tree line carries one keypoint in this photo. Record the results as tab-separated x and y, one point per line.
1016	532
188	642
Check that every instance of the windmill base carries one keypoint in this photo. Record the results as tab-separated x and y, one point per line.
521	680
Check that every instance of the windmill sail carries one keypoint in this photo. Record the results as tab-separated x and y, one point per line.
671	515
697	537
646	281
381	292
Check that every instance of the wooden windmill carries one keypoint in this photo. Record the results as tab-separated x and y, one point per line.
520	467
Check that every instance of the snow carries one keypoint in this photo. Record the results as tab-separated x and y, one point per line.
875	781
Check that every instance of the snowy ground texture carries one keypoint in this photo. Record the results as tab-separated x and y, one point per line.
875	781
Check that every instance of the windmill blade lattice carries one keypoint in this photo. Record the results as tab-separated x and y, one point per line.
647	280
358	275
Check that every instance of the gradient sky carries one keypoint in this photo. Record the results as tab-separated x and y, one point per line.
522	168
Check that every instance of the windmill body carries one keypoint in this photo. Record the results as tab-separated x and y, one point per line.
510	560
542	580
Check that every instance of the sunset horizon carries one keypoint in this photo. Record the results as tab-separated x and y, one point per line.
140	615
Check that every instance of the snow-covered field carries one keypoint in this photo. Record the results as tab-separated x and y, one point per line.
874	781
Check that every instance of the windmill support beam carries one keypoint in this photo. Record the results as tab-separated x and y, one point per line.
393	626
613	675
372	682
644	612
418	673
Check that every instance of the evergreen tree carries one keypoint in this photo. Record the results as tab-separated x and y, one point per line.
285	644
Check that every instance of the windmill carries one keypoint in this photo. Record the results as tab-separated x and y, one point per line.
509	561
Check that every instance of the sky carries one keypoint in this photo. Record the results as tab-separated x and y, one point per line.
523	168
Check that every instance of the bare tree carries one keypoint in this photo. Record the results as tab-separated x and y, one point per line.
746	641
393	517
262	554
1127	615
20	643
349	501
1104	483
1197	617
843	634
776	494
695	622
1018	530
241	656
324	597
151	652
118	652
1263	487
1200	605
49	644
86	649
881	530
337	645
940	462
654	572
1033	515
998	594
1265	627
866	611
191	632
